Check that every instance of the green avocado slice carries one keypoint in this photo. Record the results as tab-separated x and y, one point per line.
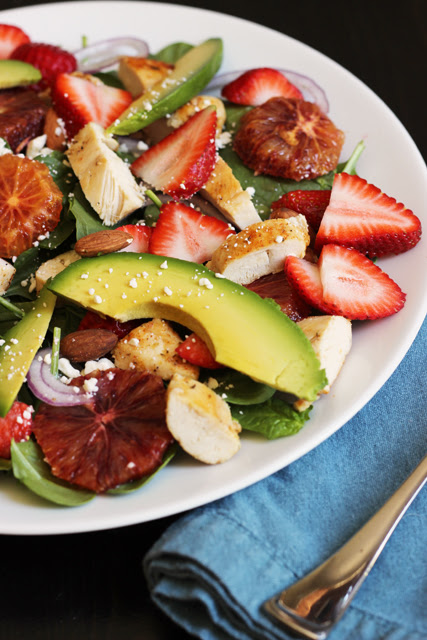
16	73
192	72
242	330
20	345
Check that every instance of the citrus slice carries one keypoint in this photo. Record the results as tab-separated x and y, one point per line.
118	436
30	204
288	138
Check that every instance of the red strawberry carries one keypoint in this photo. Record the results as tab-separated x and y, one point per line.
195	351
311	204
304	277
359	215
181	163
79	100
48	58
181	232
345	283
10	38
141	236
355	287
17	424
92	320
256	86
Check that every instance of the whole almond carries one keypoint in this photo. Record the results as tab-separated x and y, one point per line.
102	242
88	344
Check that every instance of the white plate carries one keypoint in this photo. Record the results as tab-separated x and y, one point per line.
391	161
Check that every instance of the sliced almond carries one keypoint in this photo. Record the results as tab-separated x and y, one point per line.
89	344
102	242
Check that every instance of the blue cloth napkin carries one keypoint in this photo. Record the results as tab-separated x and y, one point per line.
212	570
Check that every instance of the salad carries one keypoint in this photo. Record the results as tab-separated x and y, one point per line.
295	207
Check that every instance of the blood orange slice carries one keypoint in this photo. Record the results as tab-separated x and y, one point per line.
30	203
22	117
118	436
288	138
277	287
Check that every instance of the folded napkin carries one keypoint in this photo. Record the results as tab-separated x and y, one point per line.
212	570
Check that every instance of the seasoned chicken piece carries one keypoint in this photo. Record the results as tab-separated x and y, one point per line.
151	347
52	267
199	103
201	421
331	338
260	249
224	191
139	74
7	271
104	178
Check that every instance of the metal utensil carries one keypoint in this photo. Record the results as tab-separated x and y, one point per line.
312	606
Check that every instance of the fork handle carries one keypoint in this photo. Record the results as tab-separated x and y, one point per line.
315	603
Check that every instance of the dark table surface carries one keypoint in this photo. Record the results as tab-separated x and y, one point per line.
91	585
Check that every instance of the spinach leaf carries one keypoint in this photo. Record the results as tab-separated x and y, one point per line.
273	419
110	78
236	388
87	220
26	265
8	319
172	52
128	487
60	171
29	467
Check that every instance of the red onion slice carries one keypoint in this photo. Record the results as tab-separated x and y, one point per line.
308	87
49	389
106	53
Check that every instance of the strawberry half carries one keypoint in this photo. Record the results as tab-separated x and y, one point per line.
304	277
181	232
141	237
359	215
181	163
10	38
312	204
16	425
256	86
79	100
49	59
345	283
195	351
355	287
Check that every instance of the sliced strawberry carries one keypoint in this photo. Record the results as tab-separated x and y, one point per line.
304	277
181	163
311	204
10	38
48	58
181	232
16	425
92	320
79	100
256	86
278	287
355	287
141	237
195	351
359	215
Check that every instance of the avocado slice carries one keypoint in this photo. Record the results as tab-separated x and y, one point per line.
21	344
16	73
192	72
242	330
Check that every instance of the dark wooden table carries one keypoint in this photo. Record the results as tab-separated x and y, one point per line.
91	585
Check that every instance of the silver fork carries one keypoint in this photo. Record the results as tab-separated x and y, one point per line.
312	606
